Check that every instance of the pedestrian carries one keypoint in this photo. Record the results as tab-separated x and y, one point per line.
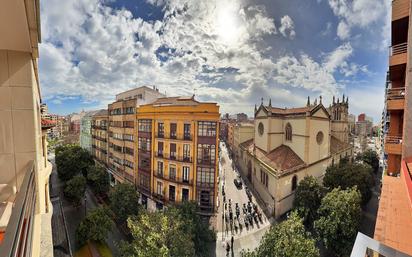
227	249
232	243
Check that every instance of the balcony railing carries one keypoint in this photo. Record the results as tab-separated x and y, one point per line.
393	140
398	49
19	232
396	93
186	137
175	179
173	157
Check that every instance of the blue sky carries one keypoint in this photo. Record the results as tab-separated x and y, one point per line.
231	52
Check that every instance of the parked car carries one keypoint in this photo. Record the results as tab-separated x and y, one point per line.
238	183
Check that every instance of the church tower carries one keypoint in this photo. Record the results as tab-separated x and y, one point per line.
339	119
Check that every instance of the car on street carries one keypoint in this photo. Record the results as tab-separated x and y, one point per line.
238	183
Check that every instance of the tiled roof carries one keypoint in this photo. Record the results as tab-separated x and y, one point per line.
298	110
282	159
337	146
46	123
102	112
177	101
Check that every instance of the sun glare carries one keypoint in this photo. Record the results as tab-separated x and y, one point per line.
228	22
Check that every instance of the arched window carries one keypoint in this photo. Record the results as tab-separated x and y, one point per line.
288	132
294	182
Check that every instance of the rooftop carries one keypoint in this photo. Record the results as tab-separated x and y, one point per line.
337	146
176	101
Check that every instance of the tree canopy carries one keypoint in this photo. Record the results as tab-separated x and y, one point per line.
98	179
348	175
371	158
95	226
339	220
75	189
308	197
124	201
72	160
286	239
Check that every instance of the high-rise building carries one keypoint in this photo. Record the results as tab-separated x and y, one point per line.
100	122
394	220
25	206
86	131
122	131
177	157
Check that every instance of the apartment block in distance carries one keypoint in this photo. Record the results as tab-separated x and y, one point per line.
122	132
178	152
100	121
394	223
25	206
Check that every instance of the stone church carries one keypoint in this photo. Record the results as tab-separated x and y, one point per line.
291	143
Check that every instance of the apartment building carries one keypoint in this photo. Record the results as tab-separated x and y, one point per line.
86	131
25	206
177	156
122	132
100	147
242	132
394	220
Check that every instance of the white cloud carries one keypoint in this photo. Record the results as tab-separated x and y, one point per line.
356	13
287	28
337	57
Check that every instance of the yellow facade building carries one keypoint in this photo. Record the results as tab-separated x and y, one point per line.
177	141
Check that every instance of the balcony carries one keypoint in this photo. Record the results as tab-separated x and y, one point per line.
393	144
162	155
175	179
398	54
18	235
184	137
395	98
400	9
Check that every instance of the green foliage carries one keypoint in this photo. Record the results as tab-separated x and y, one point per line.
202	236
98	179
286	239
75	189
124	201
369	157
158	234
348	175
308	197
72	160
95	227
339	221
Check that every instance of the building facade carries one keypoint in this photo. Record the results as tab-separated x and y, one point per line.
242	132
289	144
86	131
26	209
100	147
394	220
177	158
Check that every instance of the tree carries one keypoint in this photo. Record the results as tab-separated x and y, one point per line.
369	157
124	201
72	160
339	220
286	239
308	197
202	236
348	175
98	179
75	189
161	233
95	226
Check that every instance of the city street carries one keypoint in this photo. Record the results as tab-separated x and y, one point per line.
247	229
74	215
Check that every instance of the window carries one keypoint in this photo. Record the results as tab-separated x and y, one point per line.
173	151
144	144
117	148
139	96
128	110
261	128
264	178
206	153
288	132
172	193
128	137
186	131
173	130
185	195
185	173
128	124
207	129
206	176
172	171
128	164
159	188
294	182
116	111
144	181
117	136
145	125
186	152
160	129
319	138
128	151
160	149
160	168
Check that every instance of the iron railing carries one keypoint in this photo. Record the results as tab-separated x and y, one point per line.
398	49
396	93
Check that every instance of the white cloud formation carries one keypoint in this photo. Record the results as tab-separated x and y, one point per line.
356	13
287	28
